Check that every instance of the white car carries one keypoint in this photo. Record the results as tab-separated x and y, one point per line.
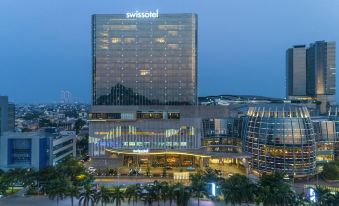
92	169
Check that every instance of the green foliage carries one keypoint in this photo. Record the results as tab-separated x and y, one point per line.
78	125
117	196
182	194
103	195
273	190
199	184
56	190
132	193
238	189
87	195
331	171
82	146
46	123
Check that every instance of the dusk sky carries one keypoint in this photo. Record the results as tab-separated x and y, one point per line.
46	45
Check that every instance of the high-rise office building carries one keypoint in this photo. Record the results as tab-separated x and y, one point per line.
7	115
144	86
144	60
321	73
296	71
311	73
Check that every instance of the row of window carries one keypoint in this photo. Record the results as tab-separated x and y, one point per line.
139	115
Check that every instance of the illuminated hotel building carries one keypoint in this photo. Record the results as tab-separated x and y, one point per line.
144	86
144	61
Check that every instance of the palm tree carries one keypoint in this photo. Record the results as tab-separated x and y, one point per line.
148	194
117	196
301	200
273	190
171	193
164	191
103	195
56	190
336	198
72	191
198	185
182	194
87	196
323	196
132	193
238	189
157	191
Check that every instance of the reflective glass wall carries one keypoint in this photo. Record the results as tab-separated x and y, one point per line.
144	61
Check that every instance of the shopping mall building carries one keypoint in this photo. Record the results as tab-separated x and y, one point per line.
145	109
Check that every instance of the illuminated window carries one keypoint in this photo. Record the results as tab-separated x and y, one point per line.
173	33
116	40
160	40
170	27
120	27
173	46
144	72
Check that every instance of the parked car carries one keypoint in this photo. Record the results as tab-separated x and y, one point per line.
92	169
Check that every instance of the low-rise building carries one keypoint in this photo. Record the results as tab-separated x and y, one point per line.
36	150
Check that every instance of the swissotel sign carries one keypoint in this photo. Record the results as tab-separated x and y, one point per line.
137	14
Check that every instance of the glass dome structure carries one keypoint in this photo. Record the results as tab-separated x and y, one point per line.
280	138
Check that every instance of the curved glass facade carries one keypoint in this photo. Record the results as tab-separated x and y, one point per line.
280	138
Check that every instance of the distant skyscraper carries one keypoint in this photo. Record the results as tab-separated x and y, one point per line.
7	115
66	97
321	73
311	72
144	60
296	71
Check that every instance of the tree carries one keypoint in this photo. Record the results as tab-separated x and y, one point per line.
82	146
3	185
56	189
157	191
117	196
164	191
273	190
14	177
331	171
75	171
132	193
182	194
87	196
171	193
72	191
198	185
301	200
103	195
79	123
238	189
323	196
148	194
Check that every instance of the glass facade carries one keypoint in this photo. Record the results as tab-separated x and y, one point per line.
296	71
144	61
280	138
19	151
321	68
144	134
222	135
